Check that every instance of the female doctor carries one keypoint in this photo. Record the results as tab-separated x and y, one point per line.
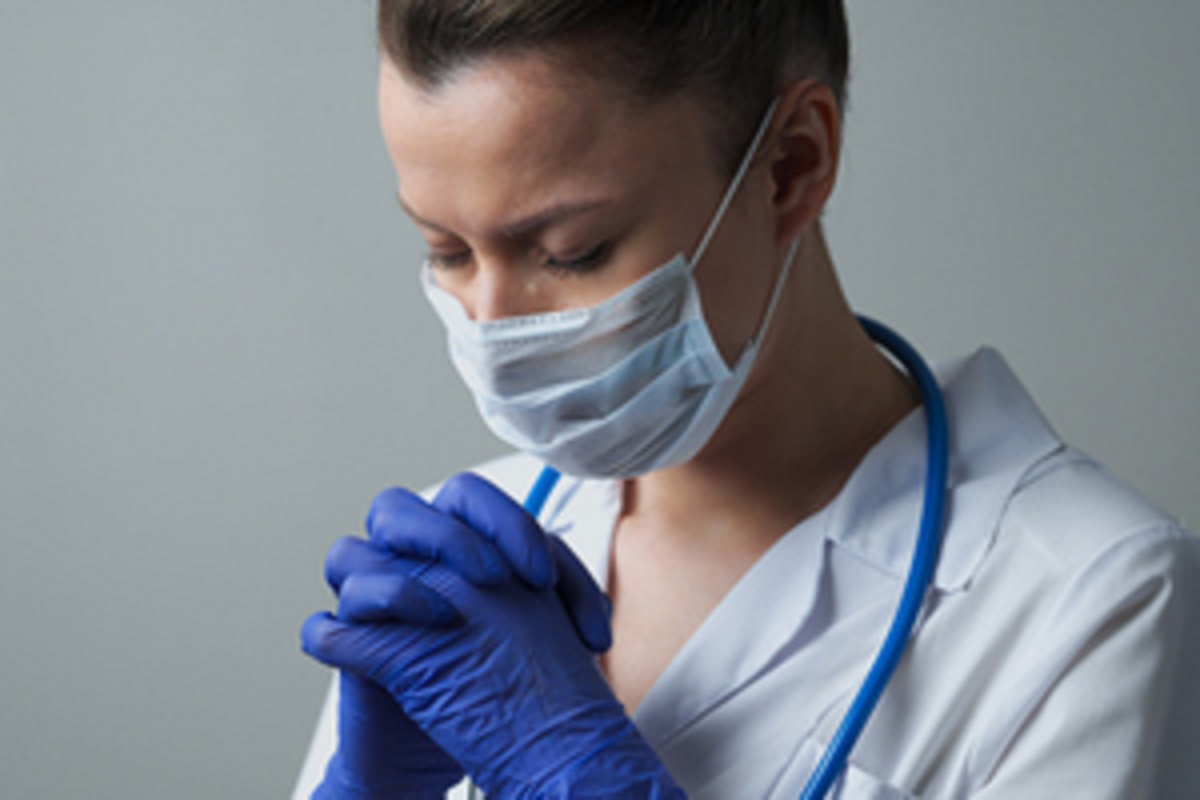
622	206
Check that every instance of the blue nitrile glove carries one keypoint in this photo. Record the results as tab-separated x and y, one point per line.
510	693
381	753
481	533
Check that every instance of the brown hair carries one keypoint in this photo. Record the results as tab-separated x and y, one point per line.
735	54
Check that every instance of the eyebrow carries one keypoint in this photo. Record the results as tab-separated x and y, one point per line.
552	215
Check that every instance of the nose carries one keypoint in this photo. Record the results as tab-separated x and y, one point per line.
497	291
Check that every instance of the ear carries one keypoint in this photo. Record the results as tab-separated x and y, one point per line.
804	160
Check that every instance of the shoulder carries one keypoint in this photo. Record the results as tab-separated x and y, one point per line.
1078	516
1080	553
1090	602
1087	571
1020	492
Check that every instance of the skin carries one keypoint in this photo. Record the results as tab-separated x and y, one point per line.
503	141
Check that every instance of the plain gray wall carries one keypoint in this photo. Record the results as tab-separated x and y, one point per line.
213	352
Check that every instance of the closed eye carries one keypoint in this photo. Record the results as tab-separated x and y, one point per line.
580	264
444	261
576	265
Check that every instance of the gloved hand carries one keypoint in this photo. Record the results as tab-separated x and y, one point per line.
475	530
381	753
510	692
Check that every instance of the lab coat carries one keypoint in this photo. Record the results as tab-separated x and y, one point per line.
1053	659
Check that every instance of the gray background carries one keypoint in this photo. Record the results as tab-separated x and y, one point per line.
213	353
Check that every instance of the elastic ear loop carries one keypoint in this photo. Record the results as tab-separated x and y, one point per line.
730	193
735	183
777	292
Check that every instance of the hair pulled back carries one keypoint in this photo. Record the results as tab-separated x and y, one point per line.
734	54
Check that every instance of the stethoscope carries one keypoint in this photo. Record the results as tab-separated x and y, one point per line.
920	571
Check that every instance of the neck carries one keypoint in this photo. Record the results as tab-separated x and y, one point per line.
819	397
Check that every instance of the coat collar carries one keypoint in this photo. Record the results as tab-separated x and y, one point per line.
997	435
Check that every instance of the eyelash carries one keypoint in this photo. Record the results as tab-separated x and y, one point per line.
578	266
575	266
444	261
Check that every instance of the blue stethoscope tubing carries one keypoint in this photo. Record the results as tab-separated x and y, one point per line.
920	571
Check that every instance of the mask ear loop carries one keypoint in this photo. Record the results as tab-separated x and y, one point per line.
777	292
734	184
730	193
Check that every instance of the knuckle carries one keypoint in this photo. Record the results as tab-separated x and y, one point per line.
315	635
341	550
387	596
384	504
458	485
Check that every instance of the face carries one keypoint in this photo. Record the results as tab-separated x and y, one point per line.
537	189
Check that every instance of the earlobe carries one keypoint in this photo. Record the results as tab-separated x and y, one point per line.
805	160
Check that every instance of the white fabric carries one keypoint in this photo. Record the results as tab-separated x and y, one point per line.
1053	659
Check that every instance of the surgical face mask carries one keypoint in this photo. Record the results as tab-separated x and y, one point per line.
628	386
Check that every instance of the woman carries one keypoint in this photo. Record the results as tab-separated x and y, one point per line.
622	204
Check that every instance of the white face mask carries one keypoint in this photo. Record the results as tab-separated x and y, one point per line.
619	389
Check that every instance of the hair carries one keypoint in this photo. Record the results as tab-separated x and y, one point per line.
735	55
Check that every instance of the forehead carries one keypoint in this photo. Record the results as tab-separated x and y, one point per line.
523	127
